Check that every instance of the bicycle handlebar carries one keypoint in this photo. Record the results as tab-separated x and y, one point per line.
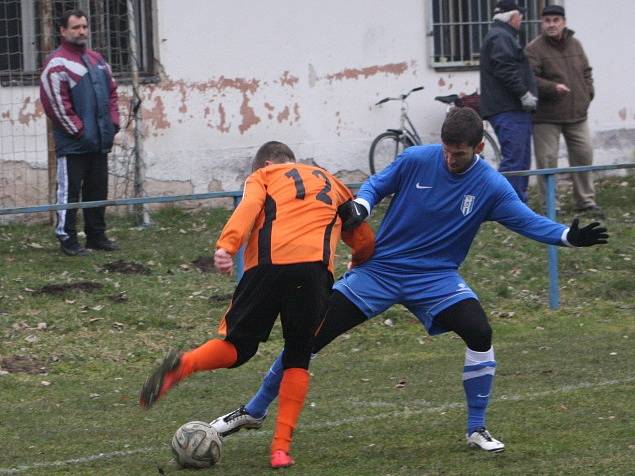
400	98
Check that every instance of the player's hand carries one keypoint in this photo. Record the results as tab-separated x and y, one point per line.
588	236
352	214
223	261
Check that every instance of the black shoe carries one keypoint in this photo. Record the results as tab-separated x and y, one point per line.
594	211
73	249
103	244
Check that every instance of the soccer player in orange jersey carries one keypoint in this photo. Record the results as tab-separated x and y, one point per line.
288	218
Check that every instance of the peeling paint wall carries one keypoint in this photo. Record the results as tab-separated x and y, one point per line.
238	74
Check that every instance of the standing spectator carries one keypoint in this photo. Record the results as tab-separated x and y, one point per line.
565	89
79	95
508	91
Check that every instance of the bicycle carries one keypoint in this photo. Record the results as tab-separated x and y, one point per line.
387	146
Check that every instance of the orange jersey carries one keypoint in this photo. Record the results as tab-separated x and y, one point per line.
288	214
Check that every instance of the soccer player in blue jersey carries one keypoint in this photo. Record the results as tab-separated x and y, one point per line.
441	196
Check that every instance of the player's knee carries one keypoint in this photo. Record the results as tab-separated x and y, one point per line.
245	350
296	357
479	338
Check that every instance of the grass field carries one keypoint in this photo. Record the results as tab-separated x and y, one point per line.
74	355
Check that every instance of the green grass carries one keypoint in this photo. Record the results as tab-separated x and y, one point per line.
563	400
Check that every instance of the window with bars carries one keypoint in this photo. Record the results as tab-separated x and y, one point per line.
457	28
29	29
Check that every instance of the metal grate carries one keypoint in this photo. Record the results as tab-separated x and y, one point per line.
121	30
457	28
28	29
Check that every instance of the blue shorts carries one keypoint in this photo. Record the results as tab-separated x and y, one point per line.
374	290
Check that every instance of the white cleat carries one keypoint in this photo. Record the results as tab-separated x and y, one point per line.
235	421
482	439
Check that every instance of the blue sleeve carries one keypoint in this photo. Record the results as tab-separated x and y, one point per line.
383	184
518	217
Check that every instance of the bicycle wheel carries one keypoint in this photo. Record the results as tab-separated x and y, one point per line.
385	148
492	152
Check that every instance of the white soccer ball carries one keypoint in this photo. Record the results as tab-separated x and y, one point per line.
197	445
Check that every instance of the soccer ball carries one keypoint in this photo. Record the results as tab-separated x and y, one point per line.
196	445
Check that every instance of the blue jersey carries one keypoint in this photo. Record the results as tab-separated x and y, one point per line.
435	214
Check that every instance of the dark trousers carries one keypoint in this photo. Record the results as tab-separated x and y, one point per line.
513	129
298	293
81	178
465	318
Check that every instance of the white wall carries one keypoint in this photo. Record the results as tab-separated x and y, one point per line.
606	33
237	74
307	73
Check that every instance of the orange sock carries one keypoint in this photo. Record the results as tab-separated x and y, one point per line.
214	354
293	390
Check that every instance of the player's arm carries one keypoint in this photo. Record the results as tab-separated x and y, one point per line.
361	240
518	217
356	234
239	226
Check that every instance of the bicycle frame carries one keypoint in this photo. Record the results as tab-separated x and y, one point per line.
406	127
405	121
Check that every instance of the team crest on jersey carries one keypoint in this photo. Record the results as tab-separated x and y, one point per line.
467	204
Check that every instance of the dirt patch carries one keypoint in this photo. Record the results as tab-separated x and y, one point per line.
82	286
221	298
205	264
126	267
119	297
27	365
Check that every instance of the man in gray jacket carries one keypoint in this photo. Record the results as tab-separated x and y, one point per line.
508	91
565	90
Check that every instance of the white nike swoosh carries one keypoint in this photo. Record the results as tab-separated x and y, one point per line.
482	396
422	186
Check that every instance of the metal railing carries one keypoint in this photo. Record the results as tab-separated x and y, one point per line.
550	195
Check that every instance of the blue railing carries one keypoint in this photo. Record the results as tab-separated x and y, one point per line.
550	196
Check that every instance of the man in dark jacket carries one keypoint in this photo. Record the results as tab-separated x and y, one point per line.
79	95
508	91
565	89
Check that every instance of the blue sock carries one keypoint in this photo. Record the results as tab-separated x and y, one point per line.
478	377
268	391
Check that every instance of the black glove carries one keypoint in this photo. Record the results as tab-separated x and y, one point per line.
588	236
352	214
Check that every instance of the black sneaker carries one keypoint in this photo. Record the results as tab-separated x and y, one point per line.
103	244
161	380
73	248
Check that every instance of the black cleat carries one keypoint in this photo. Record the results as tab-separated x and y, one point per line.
161	380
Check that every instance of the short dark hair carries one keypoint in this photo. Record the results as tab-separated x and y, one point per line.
462	125
275	151
71	13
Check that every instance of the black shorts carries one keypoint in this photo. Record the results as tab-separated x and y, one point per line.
297	292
